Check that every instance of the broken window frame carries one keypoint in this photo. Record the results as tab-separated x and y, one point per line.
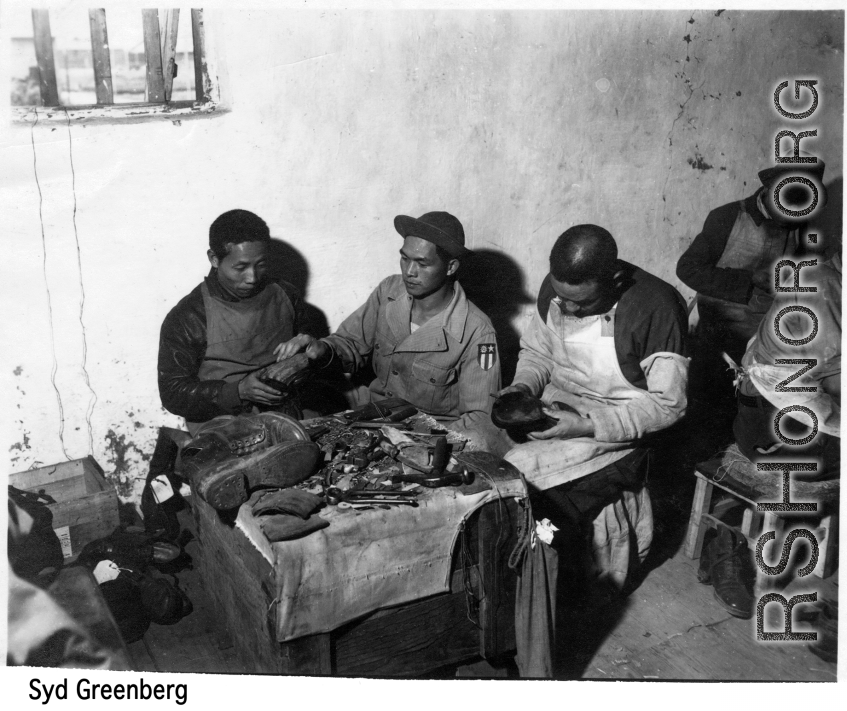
159	49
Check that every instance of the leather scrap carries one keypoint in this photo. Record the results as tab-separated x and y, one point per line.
285	527
284	501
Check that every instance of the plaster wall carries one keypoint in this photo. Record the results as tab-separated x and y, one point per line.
521	123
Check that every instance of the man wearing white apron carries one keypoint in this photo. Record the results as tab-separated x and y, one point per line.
607	340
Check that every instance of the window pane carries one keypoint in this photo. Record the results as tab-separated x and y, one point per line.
24	67
72	54
74	61
183	89
126	41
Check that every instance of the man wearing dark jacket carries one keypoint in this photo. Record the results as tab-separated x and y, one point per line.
215	339
730	266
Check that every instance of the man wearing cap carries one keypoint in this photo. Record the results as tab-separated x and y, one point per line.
426	342
730	266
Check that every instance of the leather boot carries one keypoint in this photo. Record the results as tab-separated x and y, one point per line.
226	485
726	557
826	625
704	572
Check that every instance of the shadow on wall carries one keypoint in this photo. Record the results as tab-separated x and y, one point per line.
495	283
288	264
830	222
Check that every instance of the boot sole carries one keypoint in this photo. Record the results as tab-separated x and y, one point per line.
279	466
706	579
731	610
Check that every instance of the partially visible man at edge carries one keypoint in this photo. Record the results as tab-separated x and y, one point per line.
213	342
730	266
426	342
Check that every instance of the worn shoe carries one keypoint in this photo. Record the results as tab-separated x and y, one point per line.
226	484
287	374
722	565
166	603
519	414
231	455
129	550
704	572
826	625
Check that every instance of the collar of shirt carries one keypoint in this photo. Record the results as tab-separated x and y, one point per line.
558	301
218	292
431	335
761	205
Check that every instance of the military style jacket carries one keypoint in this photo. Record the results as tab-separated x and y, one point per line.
448	368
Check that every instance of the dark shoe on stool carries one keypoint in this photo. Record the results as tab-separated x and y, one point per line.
722	564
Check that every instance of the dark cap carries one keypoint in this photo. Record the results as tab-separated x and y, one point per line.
440	228
780	170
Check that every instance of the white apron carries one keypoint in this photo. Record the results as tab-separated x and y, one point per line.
587	376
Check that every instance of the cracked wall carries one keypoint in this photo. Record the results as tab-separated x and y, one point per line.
520	123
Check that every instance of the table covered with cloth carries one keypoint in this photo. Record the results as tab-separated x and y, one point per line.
366	559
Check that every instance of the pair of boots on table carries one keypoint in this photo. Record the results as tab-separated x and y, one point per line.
231	460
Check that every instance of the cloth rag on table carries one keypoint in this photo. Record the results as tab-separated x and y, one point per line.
365	560
284	501
285	527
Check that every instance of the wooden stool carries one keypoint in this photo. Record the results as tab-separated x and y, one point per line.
753	523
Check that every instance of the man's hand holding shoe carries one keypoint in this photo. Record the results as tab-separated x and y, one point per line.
568	426
254	390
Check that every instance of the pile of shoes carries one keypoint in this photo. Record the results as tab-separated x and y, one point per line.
726	563
128	567
231	456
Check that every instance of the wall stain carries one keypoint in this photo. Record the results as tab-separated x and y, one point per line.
121	453
826	42
698	163
18	370
22	445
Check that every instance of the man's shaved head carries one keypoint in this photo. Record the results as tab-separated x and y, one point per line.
584	253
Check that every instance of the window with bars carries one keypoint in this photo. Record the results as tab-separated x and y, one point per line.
149	69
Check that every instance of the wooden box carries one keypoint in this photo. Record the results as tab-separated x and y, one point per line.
86	505
409	640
